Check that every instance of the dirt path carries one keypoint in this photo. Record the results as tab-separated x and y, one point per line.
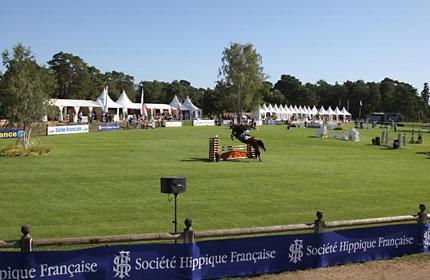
408	268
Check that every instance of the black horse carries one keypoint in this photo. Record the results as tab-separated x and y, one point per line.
241	133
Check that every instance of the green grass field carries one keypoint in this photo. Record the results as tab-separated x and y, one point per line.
106	183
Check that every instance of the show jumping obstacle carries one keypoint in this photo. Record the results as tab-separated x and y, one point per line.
218	152
385	140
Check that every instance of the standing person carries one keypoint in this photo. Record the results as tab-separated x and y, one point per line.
90	117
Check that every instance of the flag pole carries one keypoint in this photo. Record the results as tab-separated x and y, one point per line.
359	112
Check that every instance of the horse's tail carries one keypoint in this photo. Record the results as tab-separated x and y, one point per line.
261	144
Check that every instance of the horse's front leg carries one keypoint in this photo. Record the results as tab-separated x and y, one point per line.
257	153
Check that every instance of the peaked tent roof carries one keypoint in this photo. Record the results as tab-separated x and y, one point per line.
330	111
345	112
322	111
282	109
175	103
261	110
292	110
337	111
314	110
189	106
125	102
110	103
287	110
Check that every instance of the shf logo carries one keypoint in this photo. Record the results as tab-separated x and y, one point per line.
426	240
296	251
122	265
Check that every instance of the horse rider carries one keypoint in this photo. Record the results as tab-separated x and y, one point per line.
245	134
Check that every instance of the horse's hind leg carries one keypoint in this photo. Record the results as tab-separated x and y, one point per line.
257	155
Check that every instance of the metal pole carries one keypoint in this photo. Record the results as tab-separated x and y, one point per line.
175	222
359	113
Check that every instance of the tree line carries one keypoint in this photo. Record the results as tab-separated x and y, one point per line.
241	86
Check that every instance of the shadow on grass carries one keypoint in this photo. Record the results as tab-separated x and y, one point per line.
197	159
424	153
382	147
206	160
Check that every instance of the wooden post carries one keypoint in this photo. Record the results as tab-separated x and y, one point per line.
26	241
188	231
250	151
213	148
403	139
319	224
422	215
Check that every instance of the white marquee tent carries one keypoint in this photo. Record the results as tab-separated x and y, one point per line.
345	112
284	112
126	103
322	111
63	104
107	103
176	104
193	110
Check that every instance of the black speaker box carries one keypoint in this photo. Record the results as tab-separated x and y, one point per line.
173	184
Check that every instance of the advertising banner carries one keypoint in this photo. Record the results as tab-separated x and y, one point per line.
173	124
203	122
111	126
220	258
67	129
11	133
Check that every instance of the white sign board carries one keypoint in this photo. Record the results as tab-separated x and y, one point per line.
68	129
173	124
203	122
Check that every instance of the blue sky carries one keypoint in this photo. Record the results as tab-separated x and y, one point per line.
167	40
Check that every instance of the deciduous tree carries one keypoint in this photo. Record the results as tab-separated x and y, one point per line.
25	90
242	74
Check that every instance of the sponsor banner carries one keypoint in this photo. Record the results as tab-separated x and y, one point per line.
219	258
11	133
67	129
173	124
112	126
226	122
203	122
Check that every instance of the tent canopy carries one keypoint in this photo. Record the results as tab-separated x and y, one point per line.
337	111
106	102
74	103
126	103
322	111
345	112
189	106
176	104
